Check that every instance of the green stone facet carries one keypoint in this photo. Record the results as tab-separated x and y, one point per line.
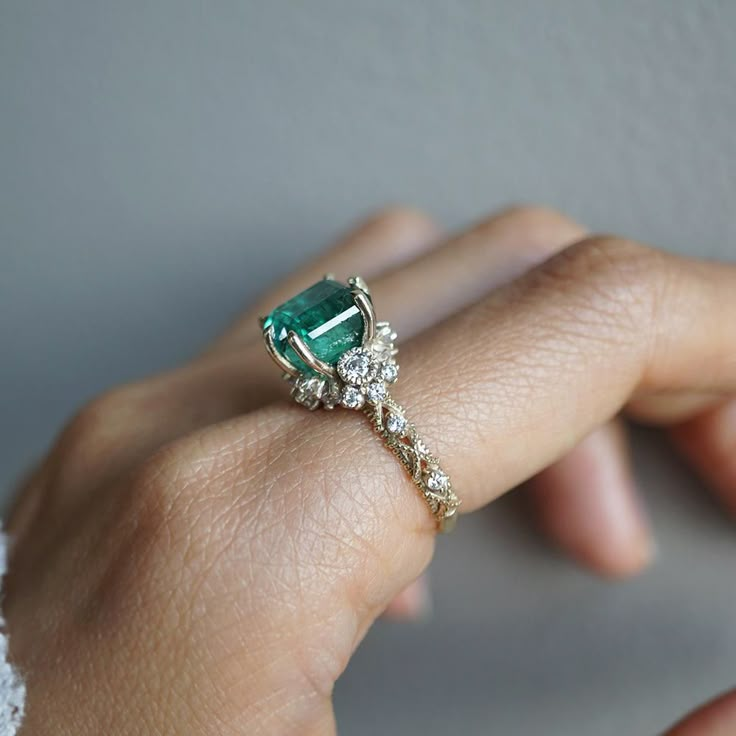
324	316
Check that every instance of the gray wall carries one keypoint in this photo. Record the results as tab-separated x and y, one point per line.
160	162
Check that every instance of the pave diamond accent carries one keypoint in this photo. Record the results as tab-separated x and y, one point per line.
438	481
390	372
376	392
395	423
352	398
308	391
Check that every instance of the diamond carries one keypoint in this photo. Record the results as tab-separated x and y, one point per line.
390	372
331	397
395	423
352	398
355	366
324	316
308	391
376	392
438	481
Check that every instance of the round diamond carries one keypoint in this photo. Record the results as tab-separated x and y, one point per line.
331	397
376	392
395	423
352	398
437	481
390	372
355	366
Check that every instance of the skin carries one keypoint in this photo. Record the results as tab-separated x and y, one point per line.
198	555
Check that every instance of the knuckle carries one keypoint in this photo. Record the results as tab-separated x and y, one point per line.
611	276
197	466
195	487
95	417
96	426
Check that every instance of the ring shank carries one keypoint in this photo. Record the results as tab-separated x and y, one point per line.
400	436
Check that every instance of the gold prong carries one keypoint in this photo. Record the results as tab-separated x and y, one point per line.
358	283
280	360
365	305
305	354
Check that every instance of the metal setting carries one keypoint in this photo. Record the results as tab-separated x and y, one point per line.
360	380
400	436
280	360
307	356
357	283
365	305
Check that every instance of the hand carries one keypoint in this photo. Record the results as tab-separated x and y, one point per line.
198	556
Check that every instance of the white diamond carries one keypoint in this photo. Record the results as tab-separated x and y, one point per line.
355	366
437	481
308	391
390	372
331	397
376	392
395	423
352	398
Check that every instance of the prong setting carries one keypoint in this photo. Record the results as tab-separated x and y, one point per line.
365	305
308	357
356	282
280	360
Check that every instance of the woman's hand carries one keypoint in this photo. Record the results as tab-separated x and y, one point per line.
197	555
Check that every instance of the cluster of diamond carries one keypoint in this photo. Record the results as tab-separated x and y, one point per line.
363	375
364	378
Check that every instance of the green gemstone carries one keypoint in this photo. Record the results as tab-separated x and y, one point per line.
324	316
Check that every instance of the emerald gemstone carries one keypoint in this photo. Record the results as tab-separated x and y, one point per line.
324	316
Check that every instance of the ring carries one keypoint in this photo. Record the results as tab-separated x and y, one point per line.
333	352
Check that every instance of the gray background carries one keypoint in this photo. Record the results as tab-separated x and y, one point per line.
161	162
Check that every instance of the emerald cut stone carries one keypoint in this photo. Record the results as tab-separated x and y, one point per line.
324	316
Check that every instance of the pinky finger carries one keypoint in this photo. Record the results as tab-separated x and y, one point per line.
587	504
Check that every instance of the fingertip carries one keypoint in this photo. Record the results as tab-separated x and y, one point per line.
623	561
715	718
413	603
587	503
